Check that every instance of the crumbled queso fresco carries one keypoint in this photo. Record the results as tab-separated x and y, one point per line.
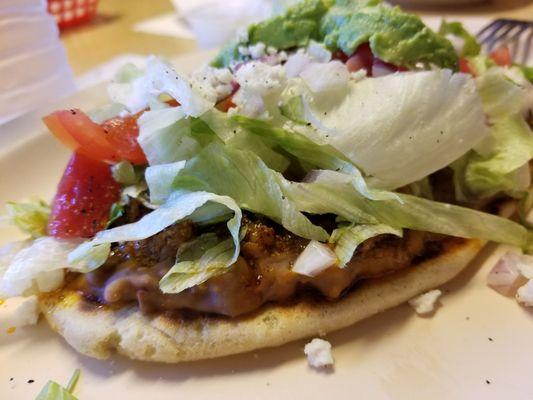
318	352
425	303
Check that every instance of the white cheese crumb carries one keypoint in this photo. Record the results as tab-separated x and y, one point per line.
243	50
318	352
524	294
425	303
318	52
257	50
258	82
17	312
214	81
271	50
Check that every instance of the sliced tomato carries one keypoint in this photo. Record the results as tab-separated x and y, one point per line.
361	59
226	104
115	140
122	134
84	198
340	55
464	66
502	56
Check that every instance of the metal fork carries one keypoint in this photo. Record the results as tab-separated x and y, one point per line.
516	34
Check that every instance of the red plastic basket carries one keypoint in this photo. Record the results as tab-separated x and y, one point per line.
72	12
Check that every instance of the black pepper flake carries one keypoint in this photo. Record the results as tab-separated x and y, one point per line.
73	112
487	381
309	124
30	381
490	339
11	379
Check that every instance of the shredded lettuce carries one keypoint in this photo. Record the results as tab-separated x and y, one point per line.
347	238
35	267
136	89
164	136
209	258
54	391
501	96
177	207
400	128
124	173
336	197
315	155
243	176
506	166
159	179
31	217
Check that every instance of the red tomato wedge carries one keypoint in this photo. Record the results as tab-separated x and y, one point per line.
84	198
502	56
122	133
112	141
226	104
361	59
464	66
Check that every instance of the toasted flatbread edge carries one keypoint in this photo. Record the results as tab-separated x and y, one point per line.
100	331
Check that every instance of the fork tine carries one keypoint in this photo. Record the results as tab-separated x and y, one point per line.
514	40
490	28
527	48
500	34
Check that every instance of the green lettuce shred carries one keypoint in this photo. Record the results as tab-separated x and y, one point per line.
31	217
348	238
54	391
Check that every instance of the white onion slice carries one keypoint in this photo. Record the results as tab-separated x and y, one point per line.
315	258
505	276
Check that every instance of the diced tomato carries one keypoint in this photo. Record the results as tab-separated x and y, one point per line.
84	198
122	134
361	59
502	56
464	66
226	104
340	55
114	141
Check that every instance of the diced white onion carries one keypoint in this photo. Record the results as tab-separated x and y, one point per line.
505	276
315	258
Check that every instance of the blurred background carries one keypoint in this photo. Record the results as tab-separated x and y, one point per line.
52	48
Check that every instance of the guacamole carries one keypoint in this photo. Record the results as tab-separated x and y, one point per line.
394	36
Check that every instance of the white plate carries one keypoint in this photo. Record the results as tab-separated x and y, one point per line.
478	344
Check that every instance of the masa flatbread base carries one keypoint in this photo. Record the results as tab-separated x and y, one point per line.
101	331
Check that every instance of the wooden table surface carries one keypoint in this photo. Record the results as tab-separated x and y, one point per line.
111	32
